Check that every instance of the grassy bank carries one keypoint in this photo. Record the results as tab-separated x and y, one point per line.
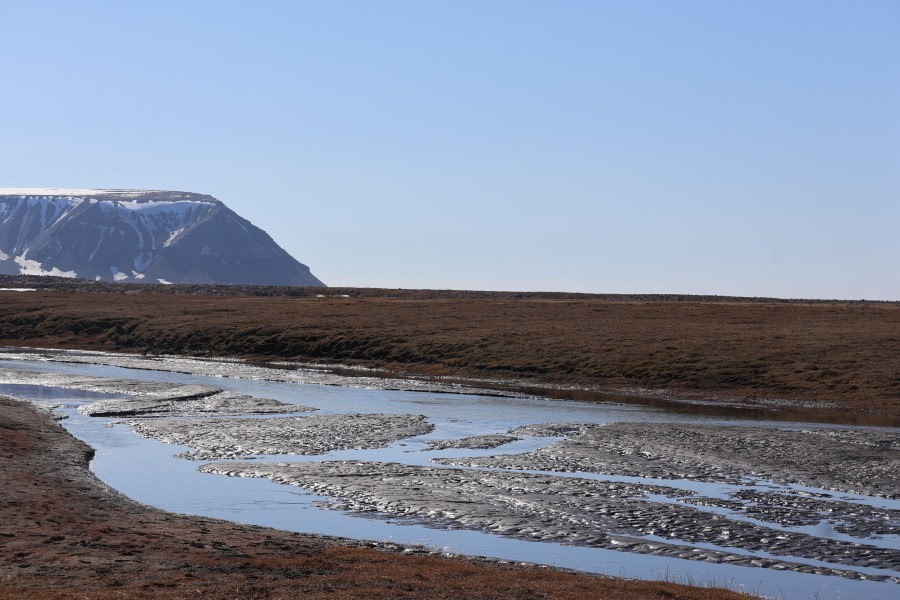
833	353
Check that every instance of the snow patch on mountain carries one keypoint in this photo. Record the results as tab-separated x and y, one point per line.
172	237
138	235
33	267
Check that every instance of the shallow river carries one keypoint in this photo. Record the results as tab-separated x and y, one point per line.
147	471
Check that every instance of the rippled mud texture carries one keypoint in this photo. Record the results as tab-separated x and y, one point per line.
318	434
776	355
64	535
573	511
805	509
856	461
475	442
143	398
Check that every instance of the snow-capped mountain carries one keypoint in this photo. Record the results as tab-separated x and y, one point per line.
138	236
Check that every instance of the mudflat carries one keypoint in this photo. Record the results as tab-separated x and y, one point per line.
803	360
856	461
64	534
577	511
215	439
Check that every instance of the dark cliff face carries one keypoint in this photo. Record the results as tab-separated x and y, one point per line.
139	237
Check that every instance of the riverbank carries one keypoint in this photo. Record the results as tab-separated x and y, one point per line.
804	361
64	534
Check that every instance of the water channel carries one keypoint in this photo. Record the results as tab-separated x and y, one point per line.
147	471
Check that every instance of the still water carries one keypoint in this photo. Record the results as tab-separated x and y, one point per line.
147	471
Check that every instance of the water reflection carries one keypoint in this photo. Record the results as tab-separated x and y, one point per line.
147	471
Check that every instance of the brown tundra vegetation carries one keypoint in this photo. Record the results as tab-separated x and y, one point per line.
798	357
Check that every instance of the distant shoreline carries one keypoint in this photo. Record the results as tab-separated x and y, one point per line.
49	283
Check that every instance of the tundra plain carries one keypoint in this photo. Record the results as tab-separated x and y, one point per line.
796	360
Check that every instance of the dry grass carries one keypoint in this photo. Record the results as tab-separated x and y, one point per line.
844	354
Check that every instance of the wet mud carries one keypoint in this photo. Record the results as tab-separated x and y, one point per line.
855	461
475	442
747	496
151	399
611	515
288	372
195	400
64	535
214	439
804	509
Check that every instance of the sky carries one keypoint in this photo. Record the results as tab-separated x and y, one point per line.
743	148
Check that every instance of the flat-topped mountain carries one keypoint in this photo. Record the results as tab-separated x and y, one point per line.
140	236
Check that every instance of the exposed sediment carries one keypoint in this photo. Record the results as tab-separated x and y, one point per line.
574	511
743	526
64	535
187	401
214	439
283	372
151	398
856	461
799	509
475	442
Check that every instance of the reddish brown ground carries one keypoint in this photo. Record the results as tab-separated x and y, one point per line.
65	535
843	354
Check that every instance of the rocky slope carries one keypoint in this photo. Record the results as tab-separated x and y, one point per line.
138	236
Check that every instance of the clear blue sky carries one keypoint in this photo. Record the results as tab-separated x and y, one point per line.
729	147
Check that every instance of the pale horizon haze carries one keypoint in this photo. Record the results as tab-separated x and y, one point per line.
697	147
